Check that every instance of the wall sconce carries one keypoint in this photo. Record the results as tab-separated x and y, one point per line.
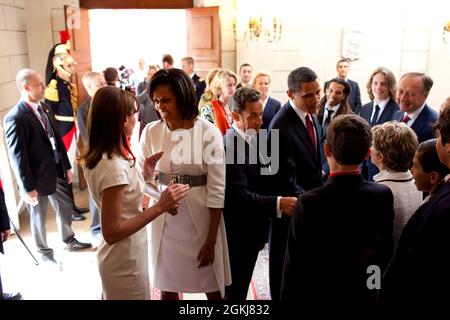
256	29
446	32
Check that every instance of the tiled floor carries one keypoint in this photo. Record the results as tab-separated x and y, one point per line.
78	278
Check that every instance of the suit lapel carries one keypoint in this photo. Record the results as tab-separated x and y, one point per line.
302	132
33	118
421	120
386	112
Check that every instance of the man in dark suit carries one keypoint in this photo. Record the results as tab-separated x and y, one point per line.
4	234
354	97
245	75
248	203
300	166
381	89
92	81
40	162
187	64
412	93
271	106
335	239
418	275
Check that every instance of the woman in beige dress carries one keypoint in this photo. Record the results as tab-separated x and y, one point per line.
188	252
117	187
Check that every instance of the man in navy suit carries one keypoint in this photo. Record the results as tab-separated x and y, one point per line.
248	203
187	64
419	276
412	93
354	97
271	106
340	230
40	163
300	166
382	90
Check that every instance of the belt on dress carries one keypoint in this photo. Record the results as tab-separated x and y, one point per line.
192	181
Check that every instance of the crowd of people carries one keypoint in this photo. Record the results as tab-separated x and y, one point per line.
346	188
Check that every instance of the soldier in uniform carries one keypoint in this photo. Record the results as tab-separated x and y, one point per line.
61	95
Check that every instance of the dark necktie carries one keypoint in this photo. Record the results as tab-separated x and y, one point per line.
328	118
44	119
310	129
406	118
49	132
374	120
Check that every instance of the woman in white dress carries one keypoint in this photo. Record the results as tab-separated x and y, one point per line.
188	252
117	187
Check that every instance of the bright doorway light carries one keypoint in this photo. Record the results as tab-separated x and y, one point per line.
122	37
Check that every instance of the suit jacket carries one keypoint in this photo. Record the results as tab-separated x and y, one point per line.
368	168
300	166
354	97
423	125
248	203
142	87
4	218
82	113
147	111
270	110
31	152
387	114
333	237
419	272
200	86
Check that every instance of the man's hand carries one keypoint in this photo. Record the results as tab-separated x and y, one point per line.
69	176
287	205
4	235
32	198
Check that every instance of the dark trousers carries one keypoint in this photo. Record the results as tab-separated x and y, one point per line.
277	249
243	255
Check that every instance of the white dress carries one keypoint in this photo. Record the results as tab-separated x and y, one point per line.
175	241
123	266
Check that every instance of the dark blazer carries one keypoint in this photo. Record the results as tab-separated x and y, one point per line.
142	87
270	110
423	125
337	231
419	272
368	169
147	111
82	113
354	97
4	218
31	151
300	165
248	205
300	169
200	86
387	114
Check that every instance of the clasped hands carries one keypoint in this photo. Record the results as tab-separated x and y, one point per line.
172	195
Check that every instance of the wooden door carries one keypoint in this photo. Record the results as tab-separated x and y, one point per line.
204	38
81	53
